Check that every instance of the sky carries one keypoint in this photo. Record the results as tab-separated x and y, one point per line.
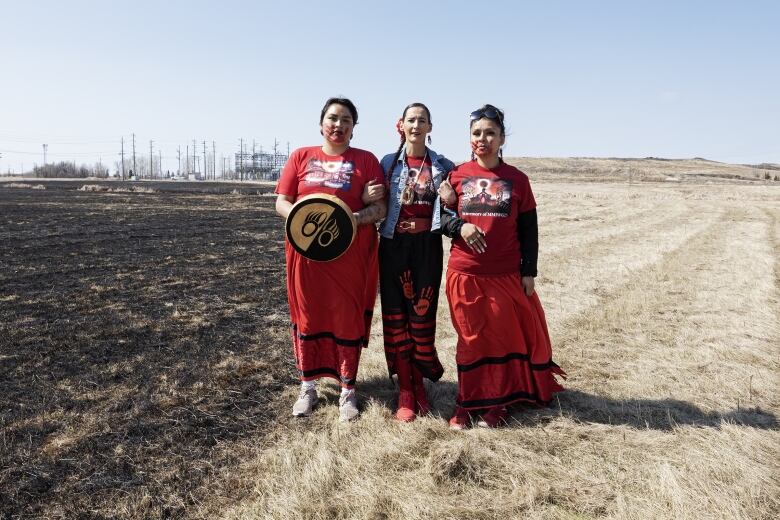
587	78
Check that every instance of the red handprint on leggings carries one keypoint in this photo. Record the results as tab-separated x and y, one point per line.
424	303
406	285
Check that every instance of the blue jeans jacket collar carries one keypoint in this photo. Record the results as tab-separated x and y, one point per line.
397	174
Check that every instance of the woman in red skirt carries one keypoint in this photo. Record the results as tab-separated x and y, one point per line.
331	303
503	352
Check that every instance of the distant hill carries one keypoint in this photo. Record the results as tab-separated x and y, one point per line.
644	169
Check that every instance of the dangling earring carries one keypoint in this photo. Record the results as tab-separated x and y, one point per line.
501	152
473	156
429	138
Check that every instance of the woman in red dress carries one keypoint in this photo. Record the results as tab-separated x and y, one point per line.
331	303
503	351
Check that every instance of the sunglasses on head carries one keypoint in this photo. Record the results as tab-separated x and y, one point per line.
490	113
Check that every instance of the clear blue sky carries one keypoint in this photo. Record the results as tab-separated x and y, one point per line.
576	78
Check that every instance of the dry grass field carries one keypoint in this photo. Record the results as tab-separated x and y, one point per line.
147	373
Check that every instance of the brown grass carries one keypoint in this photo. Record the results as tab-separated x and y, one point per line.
146	367
663	306
639	170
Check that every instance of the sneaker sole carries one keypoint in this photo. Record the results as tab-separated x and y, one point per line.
299	414
483	424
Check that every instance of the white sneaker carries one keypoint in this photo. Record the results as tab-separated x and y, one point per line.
348	409
306	402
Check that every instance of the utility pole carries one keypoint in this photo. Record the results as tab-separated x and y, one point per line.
205	171
241	159
159	162
214	160
254	160
151	160
178	153
123	157
135	171
45	147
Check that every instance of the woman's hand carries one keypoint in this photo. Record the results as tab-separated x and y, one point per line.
372	192
447	193
528	285
474	237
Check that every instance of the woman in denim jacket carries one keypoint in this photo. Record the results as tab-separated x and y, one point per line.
410	260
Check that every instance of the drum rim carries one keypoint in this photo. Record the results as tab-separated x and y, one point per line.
329	197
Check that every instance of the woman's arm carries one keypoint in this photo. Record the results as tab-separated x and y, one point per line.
284	204
453	226
371	213
528	235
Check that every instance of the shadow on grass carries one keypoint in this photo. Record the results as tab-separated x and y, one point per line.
656	414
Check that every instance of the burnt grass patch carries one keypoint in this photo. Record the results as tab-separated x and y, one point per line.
143	343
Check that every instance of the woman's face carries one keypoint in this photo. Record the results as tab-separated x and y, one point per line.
486	138
337	125
416	125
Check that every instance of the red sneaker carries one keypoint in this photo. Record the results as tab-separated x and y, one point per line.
493	418
405	412
460	419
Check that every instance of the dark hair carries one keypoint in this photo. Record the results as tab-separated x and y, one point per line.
340	101
499	120
403	137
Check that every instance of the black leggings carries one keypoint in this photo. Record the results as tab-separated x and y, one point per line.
410	269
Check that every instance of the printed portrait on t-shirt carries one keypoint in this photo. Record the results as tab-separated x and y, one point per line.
420	182
331	174
486	197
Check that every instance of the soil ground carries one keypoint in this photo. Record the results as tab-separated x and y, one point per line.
142	336
146	370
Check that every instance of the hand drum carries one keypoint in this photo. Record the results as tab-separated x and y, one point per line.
320	227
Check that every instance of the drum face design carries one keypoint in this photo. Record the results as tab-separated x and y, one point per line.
320	227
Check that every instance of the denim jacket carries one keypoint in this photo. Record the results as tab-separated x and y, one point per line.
397	174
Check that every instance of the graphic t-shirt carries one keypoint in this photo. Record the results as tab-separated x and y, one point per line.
310	170
491	200
420	185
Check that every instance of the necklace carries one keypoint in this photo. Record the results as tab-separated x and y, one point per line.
407	195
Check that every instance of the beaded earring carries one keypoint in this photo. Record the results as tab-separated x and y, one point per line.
429	139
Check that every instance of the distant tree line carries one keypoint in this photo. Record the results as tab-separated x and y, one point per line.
69	170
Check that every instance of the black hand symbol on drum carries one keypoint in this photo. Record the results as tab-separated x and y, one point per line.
331	229
312	223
